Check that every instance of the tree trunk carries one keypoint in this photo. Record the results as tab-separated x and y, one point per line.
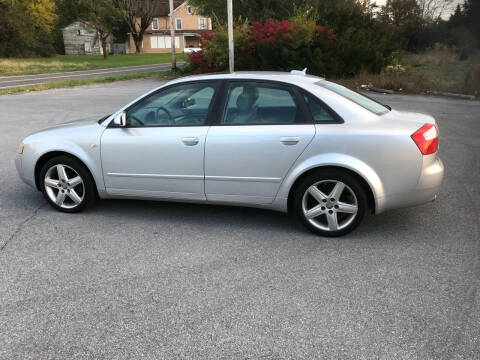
104	48
137	39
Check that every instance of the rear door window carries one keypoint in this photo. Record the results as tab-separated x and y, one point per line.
253	103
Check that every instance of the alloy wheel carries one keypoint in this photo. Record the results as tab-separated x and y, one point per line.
329	205
64	186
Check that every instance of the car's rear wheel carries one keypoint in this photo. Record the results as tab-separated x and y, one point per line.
330	202
66	184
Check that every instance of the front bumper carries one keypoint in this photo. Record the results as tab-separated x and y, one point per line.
20	170
427	188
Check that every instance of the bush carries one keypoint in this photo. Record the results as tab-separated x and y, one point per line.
438	69
289	44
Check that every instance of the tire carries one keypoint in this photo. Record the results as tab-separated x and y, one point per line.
74	184
323	214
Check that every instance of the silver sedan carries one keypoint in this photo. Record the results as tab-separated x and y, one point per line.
282	141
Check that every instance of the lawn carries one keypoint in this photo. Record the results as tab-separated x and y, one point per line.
59	63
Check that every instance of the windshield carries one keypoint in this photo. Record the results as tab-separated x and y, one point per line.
357	98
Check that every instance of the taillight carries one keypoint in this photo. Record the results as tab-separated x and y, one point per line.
426	139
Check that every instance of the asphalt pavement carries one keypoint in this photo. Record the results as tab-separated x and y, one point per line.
158	280
23	80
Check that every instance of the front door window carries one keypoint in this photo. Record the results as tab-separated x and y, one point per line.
181	105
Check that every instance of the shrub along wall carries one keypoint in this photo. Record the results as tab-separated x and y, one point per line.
290	44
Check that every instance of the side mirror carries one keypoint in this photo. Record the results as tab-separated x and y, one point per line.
120	119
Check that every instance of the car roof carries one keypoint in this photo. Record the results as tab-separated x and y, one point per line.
254	75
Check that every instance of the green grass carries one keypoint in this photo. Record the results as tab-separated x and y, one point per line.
60	63
163	75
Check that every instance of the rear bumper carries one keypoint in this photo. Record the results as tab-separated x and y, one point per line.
426	190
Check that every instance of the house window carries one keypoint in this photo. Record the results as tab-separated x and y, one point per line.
178	23
202	23
163	42
155	24
189	10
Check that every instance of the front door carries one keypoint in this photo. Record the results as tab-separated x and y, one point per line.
160	151
262	132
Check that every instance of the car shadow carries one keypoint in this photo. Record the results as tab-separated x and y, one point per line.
390	225
194	214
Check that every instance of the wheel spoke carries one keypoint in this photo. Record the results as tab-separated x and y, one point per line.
337	190
51	182
74	196
75	181
332	221
314	212
346	208
316	193
60	198
62	175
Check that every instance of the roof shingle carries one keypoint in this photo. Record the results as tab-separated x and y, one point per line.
163	8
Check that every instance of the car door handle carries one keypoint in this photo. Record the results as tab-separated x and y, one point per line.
289	140
190	141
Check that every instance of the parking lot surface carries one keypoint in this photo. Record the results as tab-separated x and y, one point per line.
153	280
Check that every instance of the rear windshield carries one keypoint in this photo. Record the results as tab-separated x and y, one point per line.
357	98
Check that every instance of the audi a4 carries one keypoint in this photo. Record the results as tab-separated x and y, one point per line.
289	142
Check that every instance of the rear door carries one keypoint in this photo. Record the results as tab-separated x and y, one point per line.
263	129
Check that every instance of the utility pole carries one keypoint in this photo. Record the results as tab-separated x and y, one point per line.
172	37
230	35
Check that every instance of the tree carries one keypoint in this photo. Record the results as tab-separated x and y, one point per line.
138	14
361	43
463	27
471	11
26	27
102	15
253	10
403	21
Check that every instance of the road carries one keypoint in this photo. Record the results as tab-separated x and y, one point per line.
153	280
23	80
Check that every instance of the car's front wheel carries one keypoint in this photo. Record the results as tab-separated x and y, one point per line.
66	184
330	202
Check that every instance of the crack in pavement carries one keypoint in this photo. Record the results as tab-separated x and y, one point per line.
19	226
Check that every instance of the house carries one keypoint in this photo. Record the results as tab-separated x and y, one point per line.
188	25
81	39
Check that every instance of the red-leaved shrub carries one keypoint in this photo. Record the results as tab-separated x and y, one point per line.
283	46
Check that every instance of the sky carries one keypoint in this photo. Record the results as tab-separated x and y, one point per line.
445	16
